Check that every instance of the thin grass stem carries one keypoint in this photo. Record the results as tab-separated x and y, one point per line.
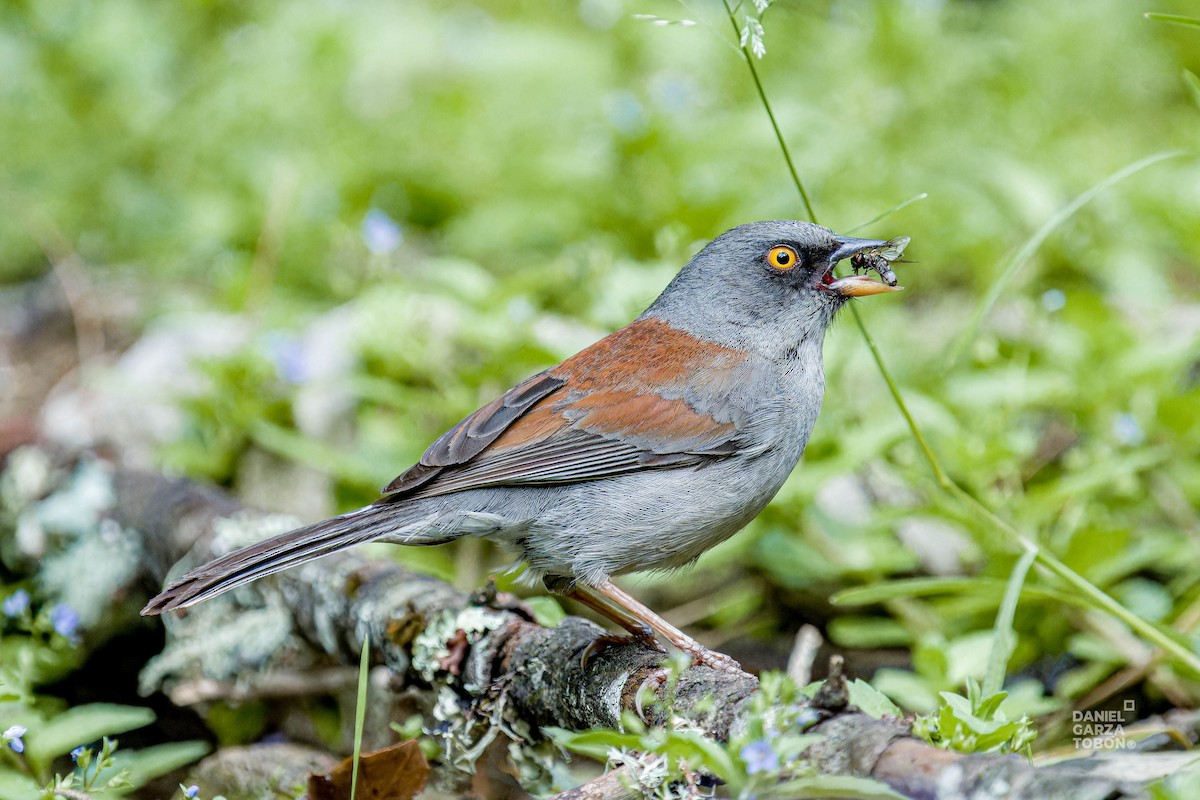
889	212
762	96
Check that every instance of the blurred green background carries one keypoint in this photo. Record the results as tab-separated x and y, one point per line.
404	208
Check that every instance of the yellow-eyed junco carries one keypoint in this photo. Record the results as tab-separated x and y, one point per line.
640	452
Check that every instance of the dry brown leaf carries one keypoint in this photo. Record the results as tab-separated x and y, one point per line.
496	776
393	773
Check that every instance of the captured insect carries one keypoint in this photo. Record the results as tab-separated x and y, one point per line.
881	258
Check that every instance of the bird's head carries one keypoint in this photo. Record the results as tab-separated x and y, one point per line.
766	283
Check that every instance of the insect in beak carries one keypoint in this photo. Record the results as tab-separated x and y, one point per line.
865	254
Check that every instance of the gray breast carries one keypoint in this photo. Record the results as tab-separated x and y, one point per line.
667	518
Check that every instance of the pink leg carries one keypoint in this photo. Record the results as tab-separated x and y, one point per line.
625	610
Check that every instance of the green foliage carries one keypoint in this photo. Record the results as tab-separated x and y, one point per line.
74	726
48	736
975	724
546	611
40	644
765	758
548	167
1182	785
102	780
246	397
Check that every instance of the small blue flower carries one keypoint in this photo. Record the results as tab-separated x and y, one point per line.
191	791
759	757
65	620
16	603
1054	300
76	753
288	353
380	233
13	737
1127	430
625	113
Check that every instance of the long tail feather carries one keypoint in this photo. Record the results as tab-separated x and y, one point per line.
275	555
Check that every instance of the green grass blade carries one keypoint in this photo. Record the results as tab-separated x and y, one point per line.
360	711
1173	19
903	588
940	474
1004	638
1193	84
889	212
762	96
1026	251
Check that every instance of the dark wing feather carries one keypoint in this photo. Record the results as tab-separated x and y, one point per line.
470	436
629	402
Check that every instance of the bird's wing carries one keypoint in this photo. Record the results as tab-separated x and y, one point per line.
648	396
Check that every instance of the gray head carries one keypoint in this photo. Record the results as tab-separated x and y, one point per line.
765	285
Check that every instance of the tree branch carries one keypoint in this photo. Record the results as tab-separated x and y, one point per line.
506	672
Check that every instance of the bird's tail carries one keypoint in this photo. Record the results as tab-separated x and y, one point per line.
279	553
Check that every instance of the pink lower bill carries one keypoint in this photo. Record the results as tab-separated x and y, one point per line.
860	286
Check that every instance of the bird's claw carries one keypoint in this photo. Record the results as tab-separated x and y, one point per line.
605	641
702	656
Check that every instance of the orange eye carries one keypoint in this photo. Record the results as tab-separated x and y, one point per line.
782	257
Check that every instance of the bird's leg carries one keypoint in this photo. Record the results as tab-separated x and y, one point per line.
638	630
625	610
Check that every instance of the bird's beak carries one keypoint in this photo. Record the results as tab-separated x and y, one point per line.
855	285
849	246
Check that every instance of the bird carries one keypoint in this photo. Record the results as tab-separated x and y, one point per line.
640	452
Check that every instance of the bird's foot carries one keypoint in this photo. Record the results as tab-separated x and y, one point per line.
603	642
702	656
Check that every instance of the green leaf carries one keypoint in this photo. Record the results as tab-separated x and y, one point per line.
989	705
1004	638
15	786
152	762
81	725
958	705
930	587
546	611
699	751
871	701
910	587
868	632
848	787
594	744
910	689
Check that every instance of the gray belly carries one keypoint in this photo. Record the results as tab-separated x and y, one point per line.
650	520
